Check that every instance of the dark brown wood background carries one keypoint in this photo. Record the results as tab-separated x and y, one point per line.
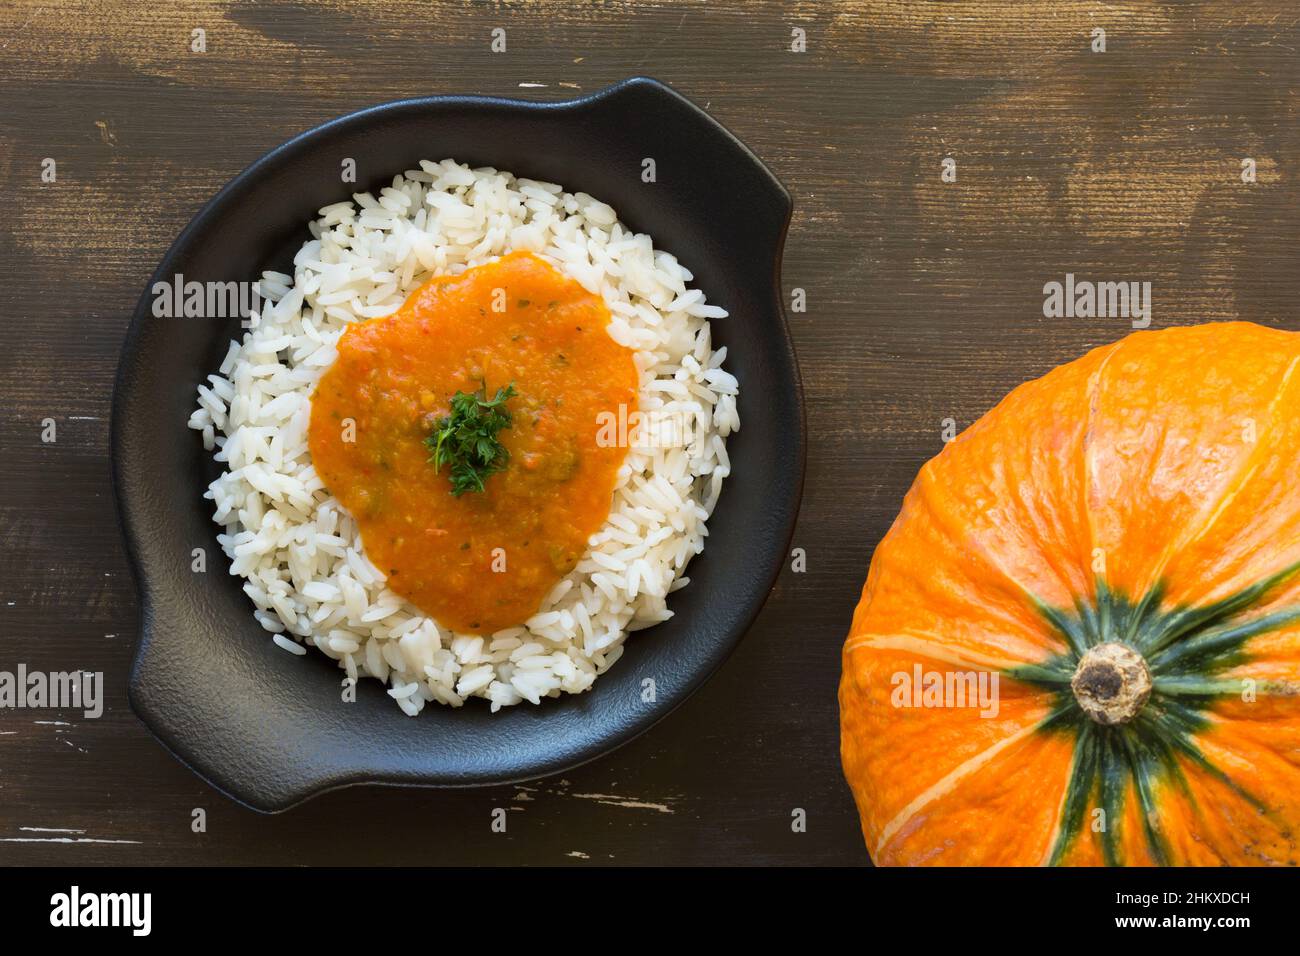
924	303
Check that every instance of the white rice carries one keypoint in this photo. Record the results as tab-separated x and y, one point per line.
299	551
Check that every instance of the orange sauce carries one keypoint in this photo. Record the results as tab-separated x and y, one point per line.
482	561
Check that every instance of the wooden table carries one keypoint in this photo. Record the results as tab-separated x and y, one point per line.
924	303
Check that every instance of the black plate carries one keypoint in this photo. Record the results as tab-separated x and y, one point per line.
269	728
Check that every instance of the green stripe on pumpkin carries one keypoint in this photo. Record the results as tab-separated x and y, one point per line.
1185	649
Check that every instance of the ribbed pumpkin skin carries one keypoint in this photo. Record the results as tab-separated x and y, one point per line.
1146	494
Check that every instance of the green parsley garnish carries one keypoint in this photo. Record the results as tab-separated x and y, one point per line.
467	438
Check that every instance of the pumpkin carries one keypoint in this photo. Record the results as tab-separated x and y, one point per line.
1079	642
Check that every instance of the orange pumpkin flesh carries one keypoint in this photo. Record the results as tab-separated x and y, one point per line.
1119	543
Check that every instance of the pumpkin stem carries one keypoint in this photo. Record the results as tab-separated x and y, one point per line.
1111	683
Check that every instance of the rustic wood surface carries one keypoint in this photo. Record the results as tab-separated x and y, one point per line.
924	303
